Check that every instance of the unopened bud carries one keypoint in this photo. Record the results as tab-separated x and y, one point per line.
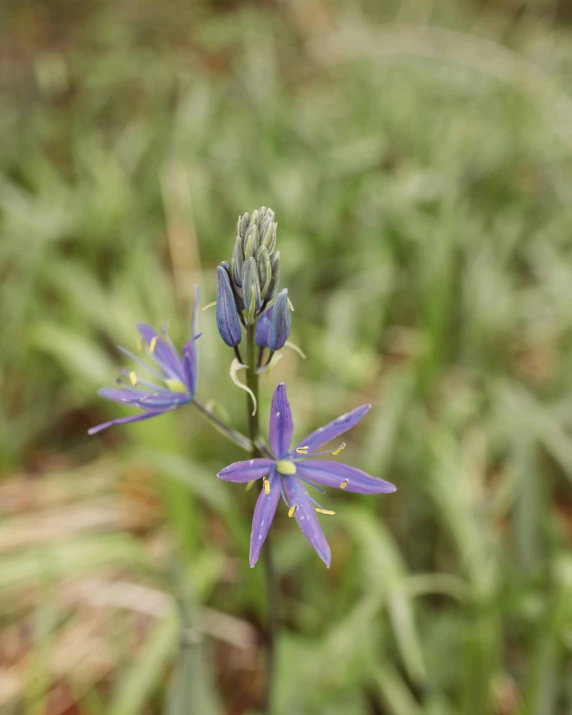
273	326
251	242
280	322
244	222
273	287
226	313
250	288
264	270
237	261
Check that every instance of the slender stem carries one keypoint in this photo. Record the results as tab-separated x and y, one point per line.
271	582
238	438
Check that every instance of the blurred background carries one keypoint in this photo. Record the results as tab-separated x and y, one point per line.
418	157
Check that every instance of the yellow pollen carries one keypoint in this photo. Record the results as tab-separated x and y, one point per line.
266	485
284	466
292	510
344	484
139	344
325	511
302	450
339	449
153	344
133	378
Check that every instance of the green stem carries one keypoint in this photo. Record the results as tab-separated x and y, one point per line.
271	581
236	437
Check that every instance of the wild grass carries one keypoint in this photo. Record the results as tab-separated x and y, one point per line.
418	159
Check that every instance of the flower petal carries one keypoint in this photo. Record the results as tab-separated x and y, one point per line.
281	424
190	350
306	517
125	420
333	429
263	515
334	474
246	471
163	353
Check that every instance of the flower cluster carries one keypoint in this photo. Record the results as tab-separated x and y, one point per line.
248	300
248	284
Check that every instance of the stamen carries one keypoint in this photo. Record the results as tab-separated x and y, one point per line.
153	344
325	511
302	450
344	484
133	378
339	449
164	327
292	511
266	485
139	345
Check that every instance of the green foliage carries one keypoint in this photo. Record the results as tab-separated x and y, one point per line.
418	160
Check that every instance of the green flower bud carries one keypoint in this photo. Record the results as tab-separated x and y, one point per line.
237	261
250	288
264	269
273	287
251	241
244	223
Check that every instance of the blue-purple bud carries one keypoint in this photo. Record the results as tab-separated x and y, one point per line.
226	312
273	326
280	322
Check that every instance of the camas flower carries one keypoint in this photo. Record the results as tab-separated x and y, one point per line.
177	373
292	471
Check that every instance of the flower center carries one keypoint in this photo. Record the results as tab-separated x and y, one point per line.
285	467
175	385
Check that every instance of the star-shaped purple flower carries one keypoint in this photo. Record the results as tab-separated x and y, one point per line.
177	373
292	471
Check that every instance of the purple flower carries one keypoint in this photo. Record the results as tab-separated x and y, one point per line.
178	373
292	471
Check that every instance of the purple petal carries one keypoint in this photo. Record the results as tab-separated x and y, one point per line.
125	420
246	471
163	401
281	425
190	365
262	328
190	351
334	474
333	429
163	353
263	515
306	517
120	394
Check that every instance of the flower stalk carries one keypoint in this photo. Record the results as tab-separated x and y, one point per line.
272	590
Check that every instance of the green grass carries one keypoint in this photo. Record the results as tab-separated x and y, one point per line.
418	158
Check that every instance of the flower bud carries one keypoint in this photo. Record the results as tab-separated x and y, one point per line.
226	313
273	287
264	269
280	322
243	225
273	326
250	288
251	241
237	261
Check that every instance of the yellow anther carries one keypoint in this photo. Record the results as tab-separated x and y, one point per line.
133	378
139	344
266	485
153	344
344	484
292	510
325	511
339	449
302	450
